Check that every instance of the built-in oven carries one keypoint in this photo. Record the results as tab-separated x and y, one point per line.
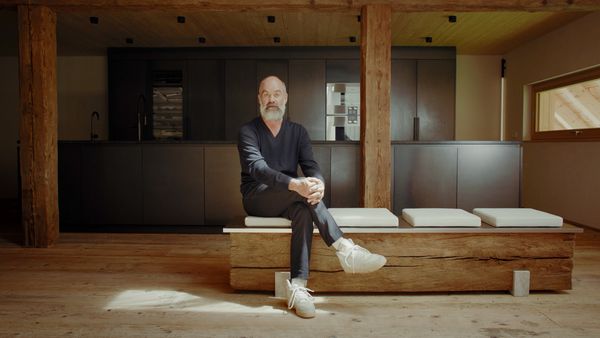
343	112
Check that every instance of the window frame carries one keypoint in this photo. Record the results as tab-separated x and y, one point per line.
566	80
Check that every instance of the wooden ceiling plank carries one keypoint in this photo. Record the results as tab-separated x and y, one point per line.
320	5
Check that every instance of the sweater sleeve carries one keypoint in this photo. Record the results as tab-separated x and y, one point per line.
254	164
307	163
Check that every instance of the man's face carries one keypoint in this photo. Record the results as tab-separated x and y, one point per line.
272	98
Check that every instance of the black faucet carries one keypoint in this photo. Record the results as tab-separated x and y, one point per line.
93	136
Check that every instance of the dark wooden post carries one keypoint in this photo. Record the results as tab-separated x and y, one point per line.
39	124
375	84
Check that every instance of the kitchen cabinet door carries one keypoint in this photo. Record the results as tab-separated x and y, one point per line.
404	99
436	99
69	183
343	71
223	203
129	91
275	67
241	98
424	176
173	186
205	115
489	176
345	176
111	184
307	101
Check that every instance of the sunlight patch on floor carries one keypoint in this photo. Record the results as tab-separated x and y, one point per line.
168	300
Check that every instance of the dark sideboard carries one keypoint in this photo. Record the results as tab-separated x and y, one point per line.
189	183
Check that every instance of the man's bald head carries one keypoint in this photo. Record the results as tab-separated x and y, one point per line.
271	81
272	97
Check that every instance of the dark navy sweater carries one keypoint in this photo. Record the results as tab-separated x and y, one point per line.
274	160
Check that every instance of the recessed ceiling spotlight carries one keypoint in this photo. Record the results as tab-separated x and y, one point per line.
352	39
129	41
181	19
94	20
276	39
271	19
201	39
428	39
452	18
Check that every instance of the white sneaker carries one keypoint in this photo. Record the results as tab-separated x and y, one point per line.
299	299
357	259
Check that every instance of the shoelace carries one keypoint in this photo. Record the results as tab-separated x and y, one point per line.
355	248
300	291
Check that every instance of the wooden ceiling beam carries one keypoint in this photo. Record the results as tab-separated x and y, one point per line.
318	5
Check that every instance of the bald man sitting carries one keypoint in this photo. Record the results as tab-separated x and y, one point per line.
270	149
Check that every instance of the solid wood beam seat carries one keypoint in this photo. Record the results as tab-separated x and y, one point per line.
418	259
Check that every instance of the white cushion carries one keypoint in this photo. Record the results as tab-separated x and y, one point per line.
518	217
255	221
440	217
364	217
345	217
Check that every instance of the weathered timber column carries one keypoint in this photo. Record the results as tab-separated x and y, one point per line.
375	83
39	124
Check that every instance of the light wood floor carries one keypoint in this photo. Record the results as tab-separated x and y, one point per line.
150	285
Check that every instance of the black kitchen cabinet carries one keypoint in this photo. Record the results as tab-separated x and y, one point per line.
403	99
436	99
205	113
199	183
241	99
220	88
223	203
423	100
129	97
111	184
173	184
488	176
307	99
274	67
424	176
69	183
343	71
345	176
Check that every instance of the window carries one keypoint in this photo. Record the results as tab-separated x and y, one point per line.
567	107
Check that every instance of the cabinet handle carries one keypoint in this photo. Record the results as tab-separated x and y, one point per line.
416	128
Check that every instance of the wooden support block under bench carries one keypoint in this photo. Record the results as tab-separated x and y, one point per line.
418	259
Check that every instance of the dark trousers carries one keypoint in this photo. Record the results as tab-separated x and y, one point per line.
269	202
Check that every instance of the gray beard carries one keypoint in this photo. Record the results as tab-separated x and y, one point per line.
272	114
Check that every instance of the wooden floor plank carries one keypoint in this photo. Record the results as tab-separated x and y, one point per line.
130	285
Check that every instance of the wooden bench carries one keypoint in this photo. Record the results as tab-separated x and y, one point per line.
418	259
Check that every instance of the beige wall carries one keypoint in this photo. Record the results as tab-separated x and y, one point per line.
558	177
82	89
563	178
478	97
